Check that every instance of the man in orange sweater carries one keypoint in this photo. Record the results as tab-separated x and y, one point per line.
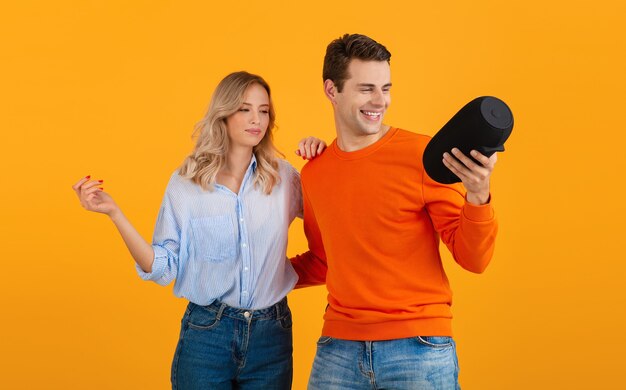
373	219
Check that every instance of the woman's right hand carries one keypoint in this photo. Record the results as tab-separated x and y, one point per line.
93	198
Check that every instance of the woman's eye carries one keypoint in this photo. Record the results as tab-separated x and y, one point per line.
244	109
265	112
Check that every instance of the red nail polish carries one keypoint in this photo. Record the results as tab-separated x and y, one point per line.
101	181
101	189
87	177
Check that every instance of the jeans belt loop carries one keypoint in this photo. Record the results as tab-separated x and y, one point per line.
278	307
220	311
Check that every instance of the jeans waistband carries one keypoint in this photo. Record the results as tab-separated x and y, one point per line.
276	311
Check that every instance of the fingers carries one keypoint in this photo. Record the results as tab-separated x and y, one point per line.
468	162
302	148
453	166
492	160
320	147
310	147
89	202
76	187
464	167
475	175
92	189
80	182
487	162
92	196
86	187
86	183
91	184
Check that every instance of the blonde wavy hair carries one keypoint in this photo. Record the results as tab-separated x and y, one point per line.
212	145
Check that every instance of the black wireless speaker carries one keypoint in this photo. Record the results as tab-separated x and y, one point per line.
483	124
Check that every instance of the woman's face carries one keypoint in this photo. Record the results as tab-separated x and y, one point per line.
247	126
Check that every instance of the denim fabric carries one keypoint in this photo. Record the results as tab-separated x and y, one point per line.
221	347
416	363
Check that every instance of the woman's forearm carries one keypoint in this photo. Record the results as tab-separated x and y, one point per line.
141	251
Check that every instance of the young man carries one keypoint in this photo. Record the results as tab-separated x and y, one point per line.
373	219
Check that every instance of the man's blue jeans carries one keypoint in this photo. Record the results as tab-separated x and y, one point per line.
416	363
221	347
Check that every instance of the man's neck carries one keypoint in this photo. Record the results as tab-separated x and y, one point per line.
349	142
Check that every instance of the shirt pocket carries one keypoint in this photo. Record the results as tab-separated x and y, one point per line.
214	238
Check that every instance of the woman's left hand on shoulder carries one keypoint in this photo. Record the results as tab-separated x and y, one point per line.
310	147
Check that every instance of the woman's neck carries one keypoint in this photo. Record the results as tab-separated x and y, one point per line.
233	171
237	161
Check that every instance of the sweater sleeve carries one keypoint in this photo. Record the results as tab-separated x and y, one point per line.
468	230
310	266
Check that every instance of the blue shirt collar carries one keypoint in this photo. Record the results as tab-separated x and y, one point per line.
252	163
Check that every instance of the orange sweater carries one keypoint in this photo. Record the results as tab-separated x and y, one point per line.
373	219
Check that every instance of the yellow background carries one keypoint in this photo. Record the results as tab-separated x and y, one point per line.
113	89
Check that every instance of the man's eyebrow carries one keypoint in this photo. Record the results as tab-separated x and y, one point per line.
248	104
388	85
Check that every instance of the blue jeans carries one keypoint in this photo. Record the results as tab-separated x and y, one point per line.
221	347
415	363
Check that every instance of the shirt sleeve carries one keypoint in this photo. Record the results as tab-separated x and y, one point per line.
469	231
165	242
310	266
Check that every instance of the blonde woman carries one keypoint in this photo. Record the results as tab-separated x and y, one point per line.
221	234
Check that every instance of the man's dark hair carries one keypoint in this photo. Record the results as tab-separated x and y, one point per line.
340	51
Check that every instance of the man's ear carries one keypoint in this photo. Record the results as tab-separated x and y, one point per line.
330	90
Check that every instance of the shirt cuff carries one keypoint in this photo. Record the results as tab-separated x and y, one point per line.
158	265
478	213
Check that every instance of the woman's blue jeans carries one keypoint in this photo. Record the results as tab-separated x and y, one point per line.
221	347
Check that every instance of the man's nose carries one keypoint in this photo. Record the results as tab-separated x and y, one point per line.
378	98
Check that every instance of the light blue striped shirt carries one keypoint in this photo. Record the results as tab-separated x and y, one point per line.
225	246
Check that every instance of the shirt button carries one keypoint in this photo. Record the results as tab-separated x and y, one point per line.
245	268
246	314
240	219
244	245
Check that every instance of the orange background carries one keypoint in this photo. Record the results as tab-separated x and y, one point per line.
113	89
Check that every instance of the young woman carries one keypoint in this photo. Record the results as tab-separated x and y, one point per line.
221	234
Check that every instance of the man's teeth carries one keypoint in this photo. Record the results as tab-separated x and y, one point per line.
370	113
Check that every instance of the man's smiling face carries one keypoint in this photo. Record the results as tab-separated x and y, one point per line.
365	97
